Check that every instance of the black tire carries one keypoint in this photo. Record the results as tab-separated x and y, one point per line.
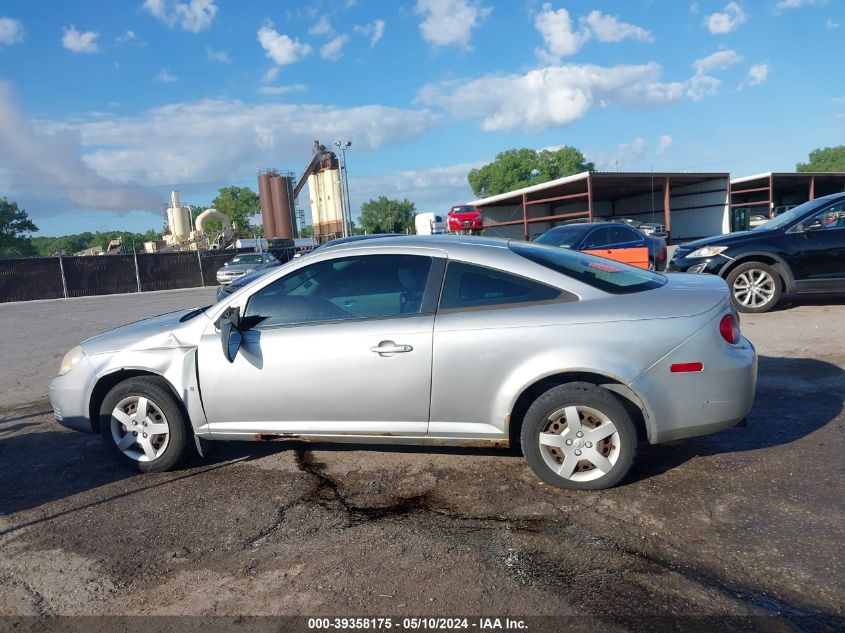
743	273
158	394
585	396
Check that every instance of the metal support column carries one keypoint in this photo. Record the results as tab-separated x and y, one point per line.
667	211
525	216
62	269
199	261
137	274
590	196
813	187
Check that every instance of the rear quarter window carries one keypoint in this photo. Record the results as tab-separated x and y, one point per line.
472	286
605	274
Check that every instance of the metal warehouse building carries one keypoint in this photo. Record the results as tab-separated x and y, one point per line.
690	205
768	194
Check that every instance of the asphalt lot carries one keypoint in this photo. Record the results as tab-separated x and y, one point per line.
747	522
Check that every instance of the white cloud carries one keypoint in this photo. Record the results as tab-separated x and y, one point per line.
557	28
830	25
281	49
664	141
219	140
608	28
80	42
217	56
270	75
728	20
129	37
164	76
374	31
450	22
194	16
559	36
52	159
322	27
719	60
282	90
702	86
11	31
757	74
797	4
333	50
551	96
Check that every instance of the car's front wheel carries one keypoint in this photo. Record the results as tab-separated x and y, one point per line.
579	436
755	287
142	423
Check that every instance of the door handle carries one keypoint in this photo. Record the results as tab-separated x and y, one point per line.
386	348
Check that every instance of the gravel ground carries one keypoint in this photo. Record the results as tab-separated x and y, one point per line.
748	522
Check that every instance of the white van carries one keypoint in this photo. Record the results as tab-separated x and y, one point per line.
429	224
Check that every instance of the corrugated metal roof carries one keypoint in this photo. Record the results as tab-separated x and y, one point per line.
788	174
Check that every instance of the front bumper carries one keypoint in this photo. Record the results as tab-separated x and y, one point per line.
227	279
70	395
719	397
711	265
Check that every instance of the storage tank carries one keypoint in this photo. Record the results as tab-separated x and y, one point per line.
265	198
178	219
282	193
326	196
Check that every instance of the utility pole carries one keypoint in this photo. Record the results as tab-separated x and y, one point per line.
347	213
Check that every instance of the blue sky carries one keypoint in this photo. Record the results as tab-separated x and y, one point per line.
105	107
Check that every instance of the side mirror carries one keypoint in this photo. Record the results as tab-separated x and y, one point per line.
231	339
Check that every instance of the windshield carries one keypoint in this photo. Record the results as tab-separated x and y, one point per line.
563	236
248	259
462	209
785	219
598	272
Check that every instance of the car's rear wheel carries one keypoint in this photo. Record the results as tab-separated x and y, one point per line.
579	436
143	425
755	287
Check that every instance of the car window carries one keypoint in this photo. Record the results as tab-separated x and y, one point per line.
598	272
248	259
626	235
471	286
599	238
562	236
360	287
832	218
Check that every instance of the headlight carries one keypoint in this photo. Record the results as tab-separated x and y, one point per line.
70	360
249	271
707	251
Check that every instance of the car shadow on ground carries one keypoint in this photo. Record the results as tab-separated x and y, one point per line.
795	397
789	302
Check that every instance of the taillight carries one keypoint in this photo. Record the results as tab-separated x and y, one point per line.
729	329
661	255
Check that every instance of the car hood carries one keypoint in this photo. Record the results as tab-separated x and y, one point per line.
723	240
165	331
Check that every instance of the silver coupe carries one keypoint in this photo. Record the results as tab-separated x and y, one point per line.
435	340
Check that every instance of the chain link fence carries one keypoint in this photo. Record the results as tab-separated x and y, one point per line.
25	279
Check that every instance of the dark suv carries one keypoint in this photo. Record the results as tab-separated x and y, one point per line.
801	250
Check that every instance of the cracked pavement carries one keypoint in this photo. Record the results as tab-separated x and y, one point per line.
741	523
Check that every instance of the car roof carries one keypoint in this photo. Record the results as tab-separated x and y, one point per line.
441	242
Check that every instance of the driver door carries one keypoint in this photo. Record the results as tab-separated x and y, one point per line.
344	347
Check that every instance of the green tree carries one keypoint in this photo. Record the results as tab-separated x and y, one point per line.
386	215
516	168
827	159
240	204
14	224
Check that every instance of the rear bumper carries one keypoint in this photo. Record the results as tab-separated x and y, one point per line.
689	404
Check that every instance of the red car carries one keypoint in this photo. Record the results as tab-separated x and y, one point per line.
465	217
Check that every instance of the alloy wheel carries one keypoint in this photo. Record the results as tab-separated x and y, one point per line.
754	288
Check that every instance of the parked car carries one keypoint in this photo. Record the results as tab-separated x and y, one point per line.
799	251
609	239
243	264
426	340
465	218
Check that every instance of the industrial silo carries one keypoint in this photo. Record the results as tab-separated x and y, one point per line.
281	190
266	202
324	185
178	219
